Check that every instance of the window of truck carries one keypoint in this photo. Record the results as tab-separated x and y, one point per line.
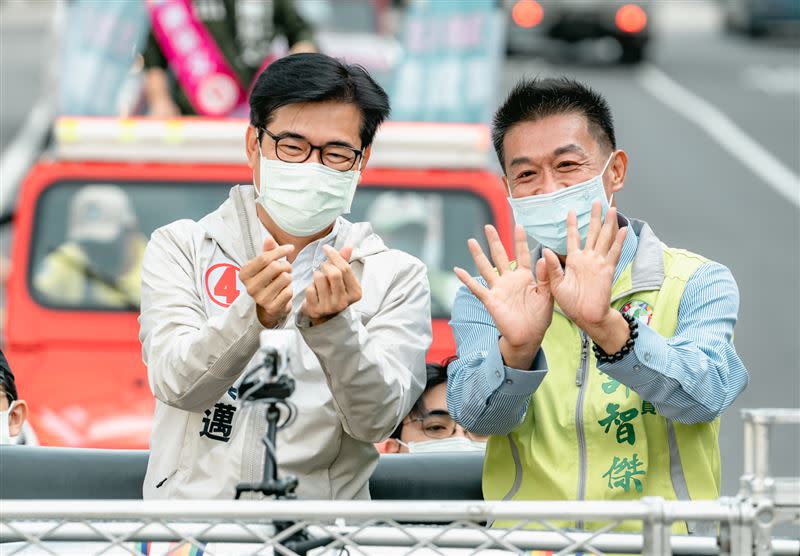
89	236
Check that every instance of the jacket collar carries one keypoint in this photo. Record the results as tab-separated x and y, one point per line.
237	230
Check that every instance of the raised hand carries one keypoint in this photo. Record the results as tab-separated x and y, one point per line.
334	289
268	280
522	308
583	288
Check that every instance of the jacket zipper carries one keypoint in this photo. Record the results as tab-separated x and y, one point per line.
250	456
581	379
243	213
580	382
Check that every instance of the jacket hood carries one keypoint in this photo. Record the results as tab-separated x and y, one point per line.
236	228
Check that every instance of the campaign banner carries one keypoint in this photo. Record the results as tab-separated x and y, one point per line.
100	43
451	67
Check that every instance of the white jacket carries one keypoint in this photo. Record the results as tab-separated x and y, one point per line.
361	371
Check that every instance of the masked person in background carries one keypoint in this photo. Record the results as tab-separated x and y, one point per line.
203	55
601	361
99	265
280	255
14	428
404	221
428	427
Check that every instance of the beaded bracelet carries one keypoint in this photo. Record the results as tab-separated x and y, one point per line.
603	357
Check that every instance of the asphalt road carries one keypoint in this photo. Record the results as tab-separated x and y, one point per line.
716	195
24	55
723	196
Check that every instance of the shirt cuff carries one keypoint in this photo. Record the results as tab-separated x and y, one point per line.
508	380
638	367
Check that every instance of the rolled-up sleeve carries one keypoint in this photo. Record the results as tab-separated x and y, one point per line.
483	394
695	375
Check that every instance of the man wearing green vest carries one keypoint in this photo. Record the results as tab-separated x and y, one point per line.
600	361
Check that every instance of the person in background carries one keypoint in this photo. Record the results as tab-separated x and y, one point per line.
242	32
100	263
13	411
428	427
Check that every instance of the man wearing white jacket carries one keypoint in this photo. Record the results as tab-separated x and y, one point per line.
279	255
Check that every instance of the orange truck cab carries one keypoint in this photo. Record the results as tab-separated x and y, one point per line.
76	354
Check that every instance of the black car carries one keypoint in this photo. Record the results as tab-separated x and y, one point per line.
534	23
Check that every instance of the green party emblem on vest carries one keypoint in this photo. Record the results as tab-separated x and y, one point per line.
640	310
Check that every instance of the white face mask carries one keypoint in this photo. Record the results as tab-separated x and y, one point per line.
304	198
544	216
5	431
452	444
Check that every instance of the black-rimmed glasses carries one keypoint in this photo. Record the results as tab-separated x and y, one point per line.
437	424
290	148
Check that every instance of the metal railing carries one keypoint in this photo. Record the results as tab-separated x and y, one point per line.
744	523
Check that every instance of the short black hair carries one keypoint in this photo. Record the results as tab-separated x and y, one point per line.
313	77
536	98
7	383
436	374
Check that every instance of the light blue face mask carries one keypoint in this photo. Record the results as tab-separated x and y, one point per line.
544	217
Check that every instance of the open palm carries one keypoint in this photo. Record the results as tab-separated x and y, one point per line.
583	288
521	307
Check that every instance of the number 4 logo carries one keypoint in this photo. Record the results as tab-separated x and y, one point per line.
222	284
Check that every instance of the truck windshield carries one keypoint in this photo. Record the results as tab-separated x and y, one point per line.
89	238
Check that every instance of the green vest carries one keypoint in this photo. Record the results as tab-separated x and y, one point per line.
586	436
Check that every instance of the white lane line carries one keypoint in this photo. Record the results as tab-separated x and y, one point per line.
21	153
723	130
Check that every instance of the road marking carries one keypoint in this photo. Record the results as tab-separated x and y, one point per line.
780	80
723	130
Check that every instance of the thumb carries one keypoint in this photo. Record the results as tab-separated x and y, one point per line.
269	244
542	277
346	252
554	270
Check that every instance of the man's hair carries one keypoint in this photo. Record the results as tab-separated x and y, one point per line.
534	99
436	375
7	384
318	78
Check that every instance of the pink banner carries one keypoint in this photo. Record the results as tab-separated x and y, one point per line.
200	67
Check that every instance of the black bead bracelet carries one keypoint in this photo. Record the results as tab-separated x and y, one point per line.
603	357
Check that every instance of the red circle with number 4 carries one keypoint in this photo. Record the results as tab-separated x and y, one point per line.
225	288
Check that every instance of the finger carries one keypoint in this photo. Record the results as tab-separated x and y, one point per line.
335	257
323	289
256	265
542	277
553	266
279	252
496	249
478	290
264	278
616	248
312	298
594	226
279	304
346	253
608	232
340	260
334	276
521	249
269	244
481	262
265	296
573	236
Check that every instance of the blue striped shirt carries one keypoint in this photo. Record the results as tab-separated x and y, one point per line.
692	377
